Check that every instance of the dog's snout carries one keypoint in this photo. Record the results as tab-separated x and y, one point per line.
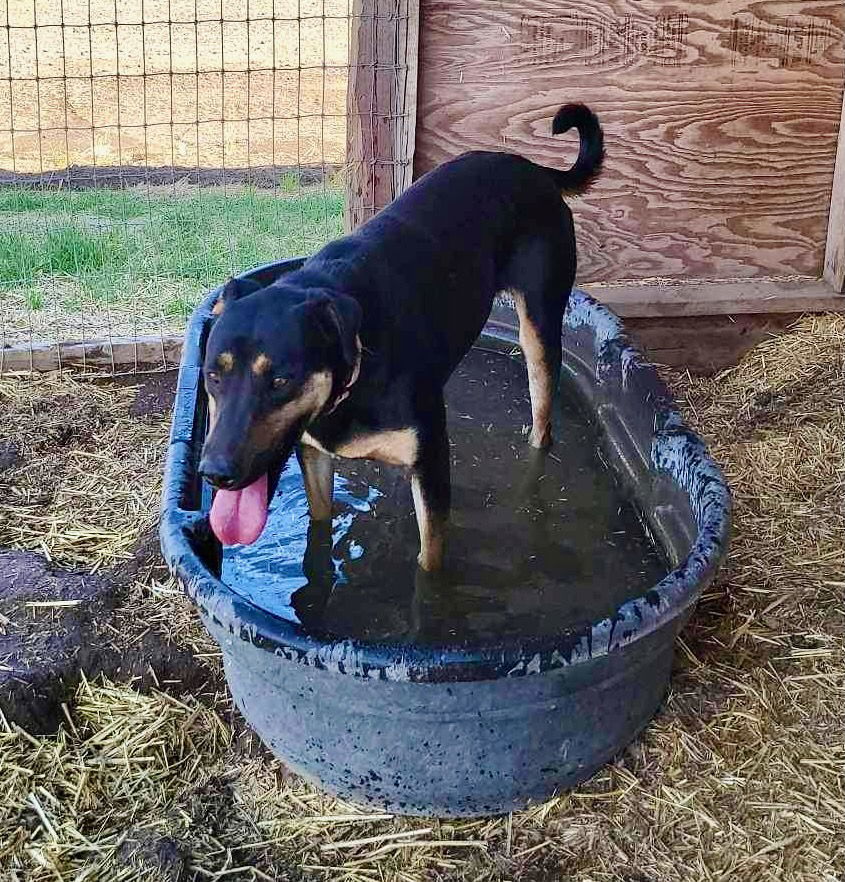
217	472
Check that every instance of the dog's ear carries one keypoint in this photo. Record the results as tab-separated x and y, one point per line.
233	290
339	317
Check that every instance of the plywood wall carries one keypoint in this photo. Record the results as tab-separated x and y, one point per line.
721	119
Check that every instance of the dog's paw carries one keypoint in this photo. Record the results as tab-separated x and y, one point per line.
540	440
430	561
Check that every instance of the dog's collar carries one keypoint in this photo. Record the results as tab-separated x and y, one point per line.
353	376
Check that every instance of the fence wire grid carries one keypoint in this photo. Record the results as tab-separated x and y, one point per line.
151	148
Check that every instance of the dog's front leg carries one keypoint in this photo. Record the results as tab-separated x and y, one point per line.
309	602
318	475
431	489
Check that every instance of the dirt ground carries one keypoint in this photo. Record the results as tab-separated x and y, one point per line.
57	621
152	775
188	83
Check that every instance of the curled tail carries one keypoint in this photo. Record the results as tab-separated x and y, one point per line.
591	152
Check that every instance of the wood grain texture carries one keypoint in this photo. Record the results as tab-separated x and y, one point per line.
721	121
834	258
406	128
381	104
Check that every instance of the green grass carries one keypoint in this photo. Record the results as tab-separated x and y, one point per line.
113	243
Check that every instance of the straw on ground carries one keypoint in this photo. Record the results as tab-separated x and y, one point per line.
739	779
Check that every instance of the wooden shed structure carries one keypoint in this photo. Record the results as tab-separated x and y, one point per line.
721	212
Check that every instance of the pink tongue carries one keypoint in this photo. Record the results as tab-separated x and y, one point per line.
238	516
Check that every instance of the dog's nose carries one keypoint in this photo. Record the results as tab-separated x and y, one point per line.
217	472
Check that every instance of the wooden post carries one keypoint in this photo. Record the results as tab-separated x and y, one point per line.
381	104
834	257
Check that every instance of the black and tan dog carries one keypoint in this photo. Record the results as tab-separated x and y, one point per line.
349	355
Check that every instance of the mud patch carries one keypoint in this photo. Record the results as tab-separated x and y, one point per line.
154	396
162	855
79	472
84	484
10	455
58	623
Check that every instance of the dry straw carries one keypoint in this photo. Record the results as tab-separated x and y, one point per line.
739	779
87	478
75	803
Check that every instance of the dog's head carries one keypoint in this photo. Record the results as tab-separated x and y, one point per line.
276	358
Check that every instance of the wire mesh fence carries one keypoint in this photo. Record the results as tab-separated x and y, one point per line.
150	148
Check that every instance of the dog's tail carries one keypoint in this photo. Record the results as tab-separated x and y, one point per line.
591	152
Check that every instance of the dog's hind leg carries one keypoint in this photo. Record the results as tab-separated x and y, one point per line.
432	491
318	476
539	278
541	374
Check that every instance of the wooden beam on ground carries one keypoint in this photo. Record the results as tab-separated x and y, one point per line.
714	298
704	344
696	325
701	344
118	355
381	104
834	258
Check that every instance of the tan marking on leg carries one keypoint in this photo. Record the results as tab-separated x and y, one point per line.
225	361
539	379
261	365
432	530
318	476
396	447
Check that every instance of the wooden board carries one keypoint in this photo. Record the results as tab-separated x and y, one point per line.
118	355
721	121
704	344
834	259
746	297
381	104
710	320
407	54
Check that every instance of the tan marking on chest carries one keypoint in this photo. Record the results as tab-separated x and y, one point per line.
396	447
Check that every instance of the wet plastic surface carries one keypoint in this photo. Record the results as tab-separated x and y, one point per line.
480	725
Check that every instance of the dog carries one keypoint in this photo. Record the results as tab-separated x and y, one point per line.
348	356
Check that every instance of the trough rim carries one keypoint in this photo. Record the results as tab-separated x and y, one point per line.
676	450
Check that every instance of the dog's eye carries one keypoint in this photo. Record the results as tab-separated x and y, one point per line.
212	376
279	382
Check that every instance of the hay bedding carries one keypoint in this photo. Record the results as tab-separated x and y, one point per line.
739	778
85	480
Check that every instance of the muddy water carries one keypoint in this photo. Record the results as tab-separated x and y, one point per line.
537	543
